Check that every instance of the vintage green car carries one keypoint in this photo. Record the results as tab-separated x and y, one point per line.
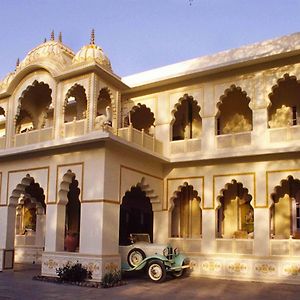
157	260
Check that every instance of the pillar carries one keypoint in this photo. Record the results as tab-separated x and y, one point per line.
7	234
55	228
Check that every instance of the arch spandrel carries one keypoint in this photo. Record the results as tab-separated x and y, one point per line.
152	186
45	66
19	180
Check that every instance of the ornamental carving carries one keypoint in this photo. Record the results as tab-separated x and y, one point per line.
51	264
293	270
237	267
265	268
211	266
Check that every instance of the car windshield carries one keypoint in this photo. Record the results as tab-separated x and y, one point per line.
140	237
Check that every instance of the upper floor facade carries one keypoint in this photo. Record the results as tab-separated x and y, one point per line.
241	102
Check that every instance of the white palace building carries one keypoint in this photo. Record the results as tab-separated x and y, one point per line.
203	154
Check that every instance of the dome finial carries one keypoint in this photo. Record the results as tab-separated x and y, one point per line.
52	35
45	40
18	62
92	42
60	37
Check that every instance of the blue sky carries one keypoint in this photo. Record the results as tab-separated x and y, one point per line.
139	35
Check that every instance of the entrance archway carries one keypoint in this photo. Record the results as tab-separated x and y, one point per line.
136	215
28	202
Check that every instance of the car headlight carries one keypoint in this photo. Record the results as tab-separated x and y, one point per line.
176	251
166	252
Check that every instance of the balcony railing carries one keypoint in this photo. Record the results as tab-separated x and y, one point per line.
283	134
185	146
139	137
75	128
289	247
2	142
33	137
233	140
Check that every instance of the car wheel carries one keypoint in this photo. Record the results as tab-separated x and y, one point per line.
157	271
135	257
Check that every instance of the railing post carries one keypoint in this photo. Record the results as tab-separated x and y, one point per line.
143	136
130	129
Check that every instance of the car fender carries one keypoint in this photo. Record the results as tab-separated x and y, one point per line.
180	260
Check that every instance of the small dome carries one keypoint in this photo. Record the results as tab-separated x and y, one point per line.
55	49
6	81
92	52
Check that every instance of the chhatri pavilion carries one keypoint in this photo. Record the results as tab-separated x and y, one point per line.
202	154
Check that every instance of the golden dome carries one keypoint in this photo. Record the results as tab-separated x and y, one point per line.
92	52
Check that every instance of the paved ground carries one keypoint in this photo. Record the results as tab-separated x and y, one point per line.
19	285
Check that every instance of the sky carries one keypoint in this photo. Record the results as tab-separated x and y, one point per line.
139	35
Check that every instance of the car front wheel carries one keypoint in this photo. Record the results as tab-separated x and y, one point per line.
157	271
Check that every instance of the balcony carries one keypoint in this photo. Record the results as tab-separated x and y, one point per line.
290	247
141	139
284	134
33	137
185	146
75	128
233	140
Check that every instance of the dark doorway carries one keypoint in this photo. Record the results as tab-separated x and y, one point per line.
72	221
136	215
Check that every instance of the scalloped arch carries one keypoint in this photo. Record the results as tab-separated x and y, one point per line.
25	92
112	100
290	184
227	93
134	113
20	190
64	187
241	192
149	192
179	190
185	97
71	90
2	111
284	78
50	66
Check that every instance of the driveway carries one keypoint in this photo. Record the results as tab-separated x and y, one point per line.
18	284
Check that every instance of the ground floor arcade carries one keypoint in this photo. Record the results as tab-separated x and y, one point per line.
239	220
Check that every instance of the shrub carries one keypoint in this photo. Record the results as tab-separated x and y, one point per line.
111	279
75	272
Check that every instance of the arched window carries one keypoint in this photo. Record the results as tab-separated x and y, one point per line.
104	109
285	210
141	117
29	206
34	107
234	114
186	213
75	104
285	98
235	215
187	122
2	122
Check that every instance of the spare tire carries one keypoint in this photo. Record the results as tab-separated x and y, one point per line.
135	257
